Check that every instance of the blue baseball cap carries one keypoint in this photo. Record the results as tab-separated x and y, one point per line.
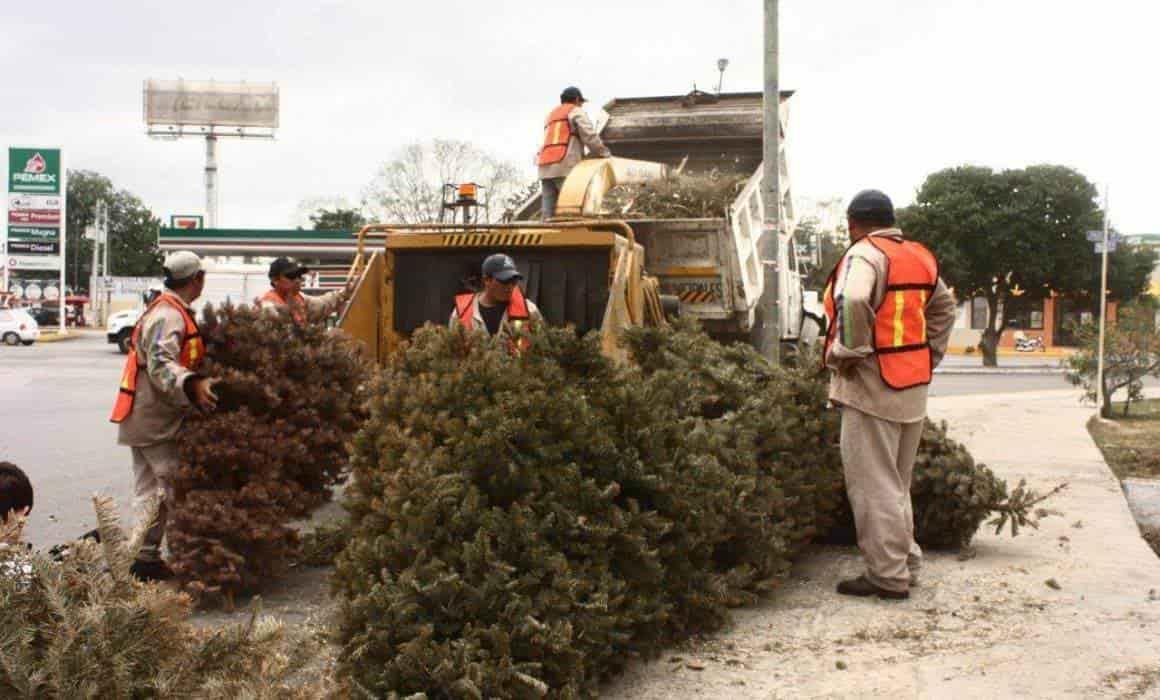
501	267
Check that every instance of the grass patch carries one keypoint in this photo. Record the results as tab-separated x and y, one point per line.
1131	444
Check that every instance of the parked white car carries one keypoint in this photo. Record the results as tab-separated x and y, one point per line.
17	326
120	328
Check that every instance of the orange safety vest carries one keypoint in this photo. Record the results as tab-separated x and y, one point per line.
192	353
900	342
517	313
557	134
296	304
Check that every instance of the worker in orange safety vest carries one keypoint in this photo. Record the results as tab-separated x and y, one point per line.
889	318
567	132
501	309
160	385
286	293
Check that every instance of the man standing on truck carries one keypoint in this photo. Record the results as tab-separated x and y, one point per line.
890	316
160	384
501	308
286	292
567	132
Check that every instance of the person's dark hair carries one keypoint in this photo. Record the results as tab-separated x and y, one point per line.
15	490
176	285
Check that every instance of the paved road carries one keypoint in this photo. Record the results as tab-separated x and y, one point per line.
55	400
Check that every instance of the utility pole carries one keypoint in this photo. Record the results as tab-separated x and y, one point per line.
1103	311
211	186
767	248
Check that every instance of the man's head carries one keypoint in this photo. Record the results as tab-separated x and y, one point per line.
15	492
184	274
286	276
869	211
500	277
572	95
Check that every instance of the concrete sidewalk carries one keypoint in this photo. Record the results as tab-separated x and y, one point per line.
986	627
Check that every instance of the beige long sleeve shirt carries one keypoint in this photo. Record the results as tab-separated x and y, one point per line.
584	136
855	380
160	404
325	304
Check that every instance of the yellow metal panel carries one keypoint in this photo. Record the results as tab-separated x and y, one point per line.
686	272
360	319
392	341
580	237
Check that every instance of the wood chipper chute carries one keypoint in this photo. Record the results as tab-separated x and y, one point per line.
584	272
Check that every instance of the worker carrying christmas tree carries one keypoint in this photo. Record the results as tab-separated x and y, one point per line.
286	293
160	385
567	132
889	318
501	308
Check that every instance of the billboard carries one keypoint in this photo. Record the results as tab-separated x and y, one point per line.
210	103
190	221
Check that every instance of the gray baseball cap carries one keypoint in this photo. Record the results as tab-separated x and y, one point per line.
501	267
182	265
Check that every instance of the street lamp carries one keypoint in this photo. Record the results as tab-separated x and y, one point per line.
722	64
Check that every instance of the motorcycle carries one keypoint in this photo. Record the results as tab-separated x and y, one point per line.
1029	344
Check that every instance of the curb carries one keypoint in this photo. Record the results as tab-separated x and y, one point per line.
57	337
1026	371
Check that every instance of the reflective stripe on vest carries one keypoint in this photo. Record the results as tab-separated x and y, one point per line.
192	354
900	342
557	134
296	304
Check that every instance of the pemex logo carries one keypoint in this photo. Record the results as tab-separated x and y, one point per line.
35	176
35	165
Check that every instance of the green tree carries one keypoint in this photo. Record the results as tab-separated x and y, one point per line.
996	233
338	219
132	229
1131	352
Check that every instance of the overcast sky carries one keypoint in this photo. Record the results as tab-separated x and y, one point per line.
887	91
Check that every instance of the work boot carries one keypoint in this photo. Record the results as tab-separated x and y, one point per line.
151	570
863	587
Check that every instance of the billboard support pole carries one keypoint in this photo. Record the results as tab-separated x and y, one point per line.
211	197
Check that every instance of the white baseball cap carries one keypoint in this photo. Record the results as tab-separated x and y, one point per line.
182	265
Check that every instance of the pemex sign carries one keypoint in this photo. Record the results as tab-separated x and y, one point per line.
34	170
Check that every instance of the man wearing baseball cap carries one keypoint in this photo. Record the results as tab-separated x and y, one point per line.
286	293
160	385
890	316
500	309
567	132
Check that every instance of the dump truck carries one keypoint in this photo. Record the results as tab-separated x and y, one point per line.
588	268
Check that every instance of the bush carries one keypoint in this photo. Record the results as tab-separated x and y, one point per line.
525	526
82	627
1131	353
290	402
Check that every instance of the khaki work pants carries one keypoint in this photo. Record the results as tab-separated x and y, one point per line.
878	461
153	470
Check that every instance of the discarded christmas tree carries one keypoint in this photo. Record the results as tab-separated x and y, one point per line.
702	196
290	401
523	526
83	627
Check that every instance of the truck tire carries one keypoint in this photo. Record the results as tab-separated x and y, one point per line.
671	305
11	338
123	339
